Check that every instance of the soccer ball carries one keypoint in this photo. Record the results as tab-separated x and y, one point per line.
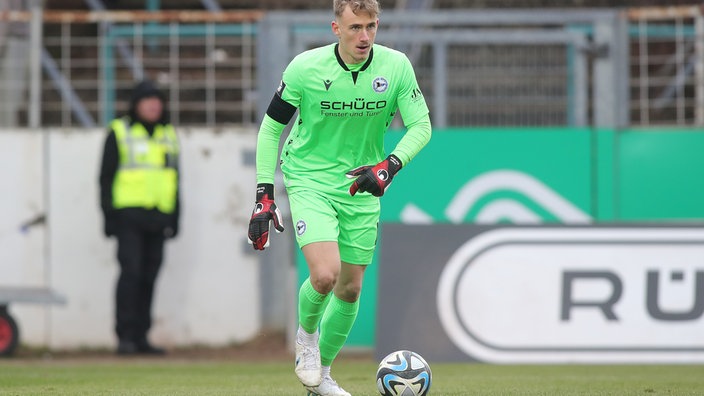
403	373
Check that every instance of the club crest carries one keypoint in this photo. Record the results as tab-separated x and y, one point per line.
300	227
380	84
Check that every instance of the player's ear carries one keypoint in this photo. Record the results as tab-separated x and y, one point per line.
335	28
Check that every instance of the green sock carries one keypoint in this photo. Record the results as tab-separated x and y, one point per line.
311	306
335	326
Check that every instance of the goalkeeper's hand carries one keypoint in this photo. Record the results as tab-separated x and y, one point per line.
265	210
375	179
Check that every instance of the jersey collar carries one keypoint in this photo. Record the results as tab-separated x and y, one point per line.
344	66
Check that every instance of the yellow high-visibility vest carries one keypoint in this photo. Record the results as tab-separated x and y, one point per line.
146	175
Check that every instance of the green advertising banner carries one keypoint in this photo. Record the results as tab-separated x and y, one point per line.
538	176
477	175
660	175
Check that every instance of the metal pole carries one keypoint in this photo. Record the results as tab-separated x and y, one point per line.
174	72
440	111
35	67
699	70
36	47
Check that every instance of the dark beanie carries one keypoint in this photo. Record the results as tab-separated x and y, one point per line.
145	89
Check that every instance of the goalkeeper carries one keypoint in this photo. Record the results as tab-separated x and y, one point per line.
335	169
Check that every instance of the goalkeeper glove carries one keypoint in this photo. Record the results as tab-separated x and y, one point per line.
375	179
265	210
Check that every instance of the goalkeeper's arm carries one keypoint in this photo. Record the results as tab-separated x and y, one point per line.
416	137
265	210
375	179
277	116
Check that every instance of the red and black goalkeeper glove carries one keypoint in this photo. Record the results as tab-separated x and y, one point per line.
375	179
265	210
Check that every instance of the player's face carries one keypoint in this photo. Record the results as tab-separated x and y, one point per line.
356	33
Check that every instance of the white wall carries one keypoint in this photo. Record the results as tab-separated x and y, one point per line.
208	290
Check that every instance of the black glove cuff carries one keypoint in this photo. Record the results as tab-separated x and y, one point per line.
395	164
265	189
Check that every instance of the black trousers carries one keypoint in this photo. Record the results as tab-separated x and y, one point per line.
140	251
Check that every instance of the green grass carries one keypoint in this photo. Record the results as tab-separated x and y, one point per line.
203	378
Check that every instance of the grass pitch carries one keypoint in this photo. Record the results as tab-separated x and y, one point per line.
171	377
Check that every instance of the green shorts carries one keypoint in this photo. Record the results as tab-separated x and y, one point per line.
318	218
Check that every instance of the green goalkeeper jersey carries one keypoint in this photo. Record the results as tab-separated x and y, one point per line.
343	114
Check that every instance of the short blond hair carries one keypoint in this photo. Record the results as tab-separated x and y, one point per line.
357	6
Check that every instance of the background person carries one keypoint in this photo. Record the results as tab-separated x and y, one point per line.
139	197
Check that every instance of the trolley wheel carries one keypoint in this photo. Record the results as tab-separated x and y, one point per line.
9	334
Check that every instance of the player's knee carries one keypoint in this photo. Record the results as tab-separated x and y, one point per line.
323	283
349	291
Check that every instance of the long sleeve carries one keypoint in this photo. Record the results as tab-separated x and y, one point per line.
268	149
416	137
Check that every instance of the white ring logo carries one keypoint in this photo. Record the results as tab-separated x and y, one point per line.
469	195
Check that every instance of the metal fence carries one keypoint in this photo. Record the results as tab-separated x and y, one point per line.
91	60
637	67
667	66
488	68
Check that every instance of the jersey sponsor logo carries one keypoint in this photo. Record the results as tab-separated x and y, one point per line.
280	89
327	84
300	227
357	104
380	84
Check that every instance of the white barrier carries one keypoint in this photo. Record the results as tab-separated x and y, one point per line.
208	290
